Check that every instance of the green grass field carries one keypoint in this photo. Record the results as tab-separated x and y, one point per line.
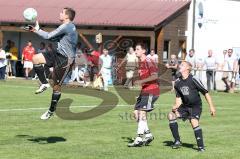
24	136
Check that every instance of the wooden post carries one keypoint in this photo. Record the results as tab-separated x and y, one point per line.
1	38
152	41
160	43
86	41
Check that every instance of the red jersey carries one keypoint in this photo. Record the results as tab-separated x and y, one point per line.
28	53
146	69
95	57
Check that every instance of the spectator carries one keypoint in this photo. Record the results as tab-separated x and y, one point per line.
221	61
192	60
80	68
8	46
153	56
131	65
211	65
27	56
230	73
3	63
79	48
42	48
105	65
14	57
93	59
173	65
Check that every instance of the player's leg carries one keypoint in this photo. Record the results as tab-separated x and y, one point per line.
198	134
173	125
62	67
195	114
148	137
38	61
144	104
55	98
138	141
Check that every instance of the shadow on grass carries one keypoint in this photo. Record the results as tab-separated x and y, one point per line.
187	145
43	140
128	139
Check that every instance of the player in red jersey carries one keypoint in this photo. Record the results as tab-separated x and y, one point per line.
27	56
148	73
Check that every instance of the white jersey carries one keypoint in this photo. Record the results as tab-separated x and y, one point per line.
191	60
106	61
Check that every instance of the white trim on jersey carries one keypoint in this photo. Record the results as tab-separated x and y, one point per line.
199	84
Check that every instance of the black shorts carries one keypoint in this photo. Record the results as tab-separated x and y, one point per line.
189	112
61	66
146	102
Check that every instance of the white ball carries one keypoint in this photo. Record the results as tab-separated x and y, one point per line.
30	14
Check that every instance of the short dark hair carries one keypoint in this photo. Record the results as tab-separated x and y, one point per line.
142	45
70	12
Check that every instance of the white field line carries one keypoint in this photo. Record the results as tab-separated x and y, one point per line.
88	106
170	94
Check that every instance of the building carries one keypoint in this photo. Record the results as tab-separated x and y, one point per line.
161	24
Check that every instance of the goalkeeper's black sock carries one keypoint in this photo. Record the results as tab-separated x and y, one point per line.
39	69
174	129
199	136
55	98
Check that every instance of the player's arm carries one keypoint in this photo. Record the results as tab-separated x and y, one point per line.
178	103
210	103
178	100
153	77
204	91
49	35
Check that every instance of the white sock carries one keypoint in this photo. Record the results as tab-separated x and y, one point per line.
147	129
141	127
145	126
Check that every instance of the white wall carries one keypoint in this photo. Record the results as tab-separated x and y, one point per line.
220	26
220	29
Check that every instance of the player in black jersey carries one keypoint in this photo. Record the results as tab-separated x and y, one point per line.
188	104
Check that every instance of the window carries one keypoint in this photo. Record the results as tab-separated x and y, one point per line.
166	49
